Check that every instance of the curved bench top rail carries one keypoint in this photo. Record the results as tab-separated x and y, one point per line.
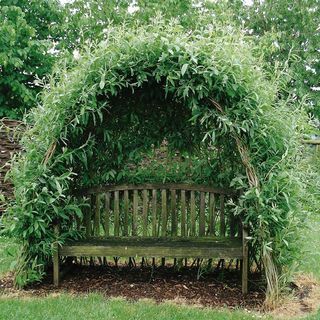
158	186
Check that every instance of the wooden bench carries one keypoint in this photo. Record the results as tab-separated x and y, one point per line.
158	220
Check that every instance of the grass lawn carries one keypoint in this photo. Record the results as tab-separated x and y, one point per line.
95	306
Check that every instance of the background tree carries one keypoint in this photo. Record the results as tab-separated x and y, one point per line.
289	31
89	20
28	30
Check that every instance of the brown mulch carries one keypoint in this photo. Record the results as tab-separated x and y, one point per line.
214	289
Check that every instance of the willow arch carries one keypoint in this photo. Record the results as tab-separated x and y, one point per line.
213	75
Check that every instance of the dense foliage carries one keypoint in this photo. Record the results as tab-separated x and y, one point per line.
27	32
202	92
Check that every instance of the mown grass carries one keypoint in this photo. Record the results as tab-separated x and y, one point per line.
313	317
95	306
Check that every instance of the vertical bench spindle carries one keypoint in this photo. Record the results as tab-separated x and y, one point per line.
107	214
116	214
97	216
202	218
145	213
154	212
212	214
135	212
126	212
174	220
193	213
222	217
164	212
183	214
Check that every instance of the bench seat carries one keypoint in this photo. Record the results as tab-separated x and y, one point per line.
178	247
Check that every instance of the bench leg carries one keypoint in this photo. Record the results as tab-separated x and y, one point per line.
244	264
56	265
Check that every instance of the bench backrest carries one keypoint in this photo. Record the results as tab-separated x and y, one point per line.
159	210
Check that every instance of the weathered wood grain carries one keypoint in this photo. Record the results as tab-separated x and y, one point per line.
212	214
154	212
107	214
183	214
135	212
164	212
145	212
55	258
202	217
131	247
97	215
159	186
222	216
116	214
126	213
192	213
245	260
174	217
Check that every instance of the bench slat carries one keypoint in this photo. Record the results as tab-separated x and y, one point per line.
212	214
183	214
135	212
202	221
164	212
126	213
116	213
192	214
154	212
187	248
174	220
222	217
107	213
97	215
145	212
150	251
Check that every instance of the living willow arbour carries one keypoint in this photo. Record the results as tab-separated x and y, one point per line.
203	92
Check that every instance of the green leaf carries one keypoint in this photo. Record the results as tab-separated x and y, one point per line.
184	69
102	83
